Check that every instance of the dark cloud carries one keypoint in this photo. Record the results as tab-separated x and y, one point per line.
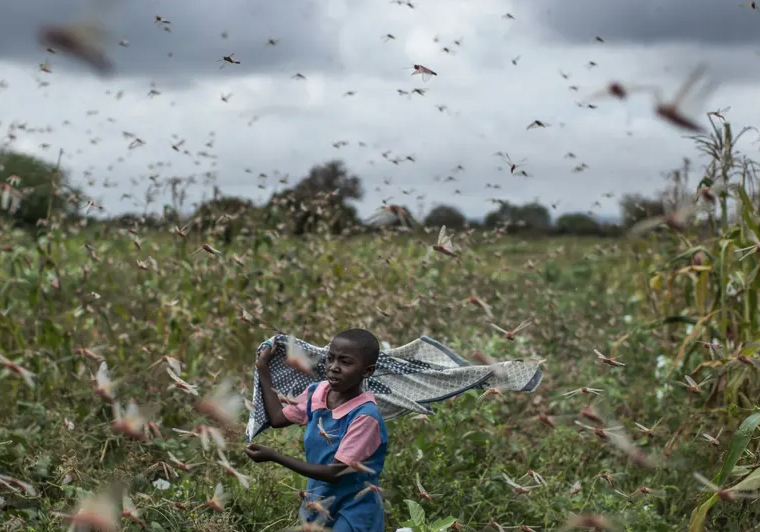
489	101
308	37
648	21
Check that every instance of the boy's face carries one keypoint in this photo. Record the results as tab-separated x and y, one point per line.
346	367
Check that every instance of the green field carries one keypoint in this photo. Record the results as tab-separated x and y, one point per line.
626	299
677	304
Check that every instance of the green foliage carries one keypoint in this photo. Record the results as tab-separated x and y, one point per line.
531	216
418	523
535	216
739	443
502	215
712	284
636	207
189	307
225	216
317	202
44	186
577	223
330	177
446	215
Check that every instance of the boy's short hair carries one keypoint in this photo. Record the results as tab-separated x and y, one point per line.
365	343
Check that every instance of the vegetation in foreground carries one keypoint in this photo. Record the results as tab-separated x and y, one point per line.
677	305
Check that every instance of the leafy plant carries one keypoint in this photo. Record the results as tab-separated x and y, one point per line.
418	523
750	482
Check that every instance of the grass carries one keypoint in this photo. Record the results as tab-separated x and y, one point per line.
649	302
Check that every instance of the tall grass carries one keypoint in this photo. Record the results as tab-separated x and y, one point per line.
708	285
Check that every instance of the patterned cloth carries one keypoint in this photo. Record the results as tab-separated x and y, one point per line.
406	380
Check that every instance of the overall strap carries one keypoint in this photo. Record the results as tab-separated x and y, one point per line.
311	389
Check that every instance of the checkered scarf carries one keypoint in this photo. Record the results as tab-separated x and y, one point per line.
406	379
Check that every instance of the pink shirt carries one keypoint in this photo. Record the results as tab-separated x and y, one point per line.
363	435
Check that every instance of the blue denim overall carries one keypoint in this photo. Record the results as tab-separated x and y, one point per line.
347	515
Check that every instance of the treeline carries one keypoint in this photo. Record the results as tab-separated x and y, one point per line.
321	201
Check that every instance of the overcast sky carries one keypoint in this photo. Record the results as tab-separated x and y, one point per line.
274	123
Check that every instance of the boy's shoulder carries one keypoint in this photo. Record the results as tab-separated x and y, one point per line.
369	408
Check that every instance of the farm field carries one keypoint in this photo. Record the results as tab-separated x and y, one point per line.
66	304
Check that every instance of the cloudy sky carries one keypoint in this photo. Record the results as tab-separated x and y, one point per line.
480	102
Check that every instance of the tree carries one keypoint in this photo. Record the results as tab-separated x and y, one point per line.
333	178
131	219
446	215
319	201
577	223
504	214
42	186
533	216
224	214
635	207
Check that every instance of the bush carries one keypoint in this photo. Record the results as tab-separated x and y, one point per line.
578	224
44	187
446	215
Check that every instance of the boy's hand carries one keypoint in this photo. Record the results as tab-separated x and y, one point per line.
259	453
265	357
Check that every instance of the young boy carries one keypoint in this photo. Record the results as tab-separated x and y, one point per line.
345	435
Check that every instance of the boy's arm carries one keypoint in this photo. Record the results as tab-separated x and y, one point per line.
326	473
272	405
